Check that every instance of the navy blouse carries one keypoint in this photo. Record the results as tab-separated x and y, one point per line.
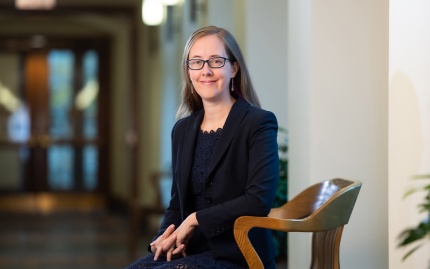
205	147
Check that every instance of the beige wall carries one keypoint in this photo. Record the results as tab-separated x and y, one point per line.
266	51
409	140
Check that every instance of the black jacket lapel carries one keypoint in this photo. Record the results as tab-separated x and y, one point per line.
237	113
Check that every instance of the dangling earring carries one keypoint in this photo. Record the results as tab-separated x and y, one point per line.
232	86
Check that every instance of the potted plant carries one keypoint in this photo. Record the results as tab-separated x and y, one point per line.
420	233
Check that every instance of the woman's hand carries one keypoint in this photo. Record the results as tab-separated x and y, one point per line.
185	231
173	243
165	244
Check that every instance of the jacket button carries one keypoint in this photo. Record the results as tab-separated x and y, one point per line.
210	183
208	200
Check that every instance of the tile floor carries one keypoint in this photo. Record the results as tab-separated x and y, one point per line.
64	240
67	240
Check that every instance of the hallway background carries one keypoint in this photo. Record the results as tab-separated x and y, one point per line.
347	79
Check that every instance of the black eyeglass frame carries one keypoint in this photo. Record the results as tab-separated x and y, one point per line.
207	61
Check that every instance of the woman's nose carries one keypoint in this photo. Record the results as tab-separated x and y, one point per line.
206	70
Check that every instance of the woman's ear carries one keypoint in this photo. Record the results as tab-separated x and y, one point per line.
234	69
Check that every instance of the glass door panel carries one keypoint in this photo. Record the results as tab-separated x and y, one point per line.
61	74
73	162
90	167
60	167
87	102
60	157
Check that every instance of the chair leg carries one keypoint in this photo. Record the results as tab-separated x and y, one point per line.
325	249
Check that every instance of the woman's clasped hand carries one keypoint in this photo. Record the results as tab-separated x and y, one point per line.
172	243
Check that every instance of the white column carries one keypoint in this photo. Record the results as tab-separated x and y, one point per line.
298	87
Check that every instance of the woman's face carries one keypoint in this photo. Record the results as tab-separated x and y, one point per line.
212	84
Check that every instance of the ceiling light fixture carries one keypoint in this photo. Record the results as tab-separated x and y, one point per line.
35	4
170	2
152	12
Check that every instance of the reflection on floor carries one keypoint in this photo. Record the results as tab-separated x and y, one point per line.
65	240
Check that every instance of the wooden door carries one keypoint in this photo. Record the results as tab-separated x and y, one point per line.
53	123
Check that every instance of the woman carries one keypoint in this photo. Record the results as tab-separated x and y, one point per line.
224	161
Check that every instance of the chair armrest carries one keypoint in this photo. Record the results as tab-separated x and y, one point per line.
243	224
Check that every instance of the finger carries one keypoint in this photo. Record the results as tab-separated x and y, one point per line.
172	241
179	250
154	242
164	246
157	253
154	245
169	230
166	234
169	253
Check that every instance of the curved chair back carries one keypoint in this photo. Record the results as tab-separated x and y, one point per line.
322	209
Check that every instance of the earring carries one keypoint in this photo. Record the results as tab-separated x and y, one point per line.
191	89
232	86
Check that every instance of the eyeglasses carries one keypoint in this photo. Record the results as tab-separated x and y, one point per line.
214	62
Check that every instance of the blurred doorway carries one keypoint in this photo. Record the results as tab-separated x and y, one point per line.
53	117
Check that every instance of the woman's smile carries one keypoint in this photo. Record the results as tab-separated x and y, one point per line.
208	82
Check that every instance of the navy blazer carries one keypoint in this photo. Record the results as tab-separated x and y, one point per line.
242	179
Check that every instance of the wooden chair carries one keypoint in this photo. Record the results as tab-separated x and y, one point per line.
322	209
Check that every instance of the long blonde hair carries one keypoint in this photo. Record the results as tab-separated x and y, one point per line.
191	101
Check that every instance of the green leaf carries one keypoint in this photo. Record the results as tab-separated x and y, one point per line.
410	252
422	230
425	176
416	189
415	234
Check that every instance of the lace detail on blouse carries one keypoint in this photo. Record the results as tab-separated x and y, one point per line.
206	144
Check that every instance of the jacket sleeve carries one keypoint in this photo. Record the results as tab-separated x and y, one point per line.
172	215
254	163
